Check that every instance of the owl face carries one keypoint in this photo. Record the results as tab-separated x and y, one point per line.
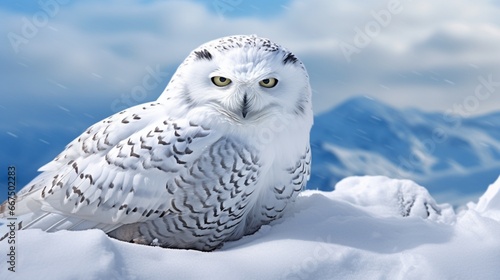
245	79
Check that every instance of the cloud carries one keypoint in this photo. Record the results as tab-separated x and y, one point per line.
415	53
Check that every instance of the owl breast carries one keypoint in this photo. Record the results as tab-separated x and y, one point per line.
231	190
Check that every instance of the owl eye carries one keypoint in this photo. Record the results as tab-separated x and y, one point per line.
269	82
221	81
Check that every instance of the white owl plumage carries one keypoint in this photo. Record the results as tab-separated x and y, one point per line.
223	151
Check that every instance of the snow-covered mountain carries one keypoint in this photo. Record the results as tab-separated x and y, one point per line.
451	155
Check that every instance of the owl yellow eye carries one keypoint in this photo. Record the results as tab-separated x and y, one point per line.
269	82
221	81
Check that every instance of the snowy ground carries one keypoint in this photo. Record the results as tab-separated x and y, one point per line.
368	228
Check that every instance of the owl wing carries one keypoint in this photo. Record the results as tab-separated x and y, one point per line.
119	171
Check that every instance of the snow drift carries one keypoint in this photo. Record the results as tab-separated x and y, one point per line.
368	228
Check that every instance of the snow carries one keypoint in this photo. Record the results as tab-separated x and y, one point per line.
489	203
368	228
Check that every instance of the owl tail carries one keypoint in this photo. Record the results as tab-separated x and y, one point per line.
25	212
49	222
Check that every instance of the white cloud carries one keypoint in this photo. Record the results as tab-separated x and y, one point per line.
429	54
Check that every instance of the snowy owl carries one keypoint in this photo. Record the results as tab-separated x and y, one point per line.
223	151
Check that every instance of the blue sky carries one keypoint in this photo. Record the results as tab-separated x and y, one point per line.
68	64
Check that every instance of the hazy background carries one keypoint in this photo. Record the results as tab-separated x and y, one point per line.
67	64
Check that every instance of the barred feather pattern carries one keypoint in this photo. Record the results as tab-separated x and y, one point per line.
209	184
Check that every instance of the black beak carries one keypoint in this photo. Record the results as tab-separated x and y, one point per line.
244	106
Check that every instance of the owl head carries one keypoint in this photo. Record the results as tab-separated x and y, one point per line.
242	78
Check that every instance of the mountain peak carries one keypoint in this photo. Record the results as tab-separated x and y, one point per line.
364	136
361	107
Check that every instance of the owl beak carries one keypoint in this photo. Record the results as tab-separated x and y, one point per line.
244	106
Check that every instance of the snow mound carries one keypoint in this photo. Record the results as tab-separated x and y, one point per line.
489	203
392	198
368	228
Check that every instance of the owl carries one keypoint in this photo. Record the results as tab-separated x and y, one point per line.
221	152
